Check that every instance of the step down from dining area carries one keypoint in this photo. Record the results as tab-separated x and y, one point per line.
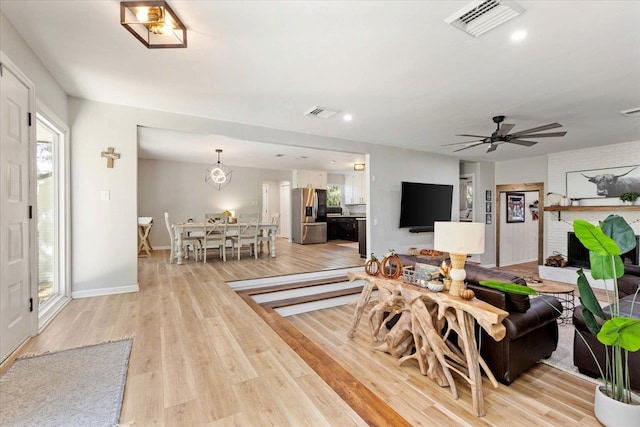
288	296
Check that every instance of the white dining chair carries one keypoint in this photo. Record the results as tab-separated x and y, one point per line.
247	233
187	241
262	237
216	230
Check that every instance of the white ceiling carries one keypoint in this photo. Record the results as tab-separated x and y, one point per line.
407	78
162	144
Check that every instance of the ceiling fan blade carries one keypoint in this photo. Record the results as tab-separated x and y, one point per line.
472	136
470	146
545	135
504	129
492	147
538	129
523	142
458	143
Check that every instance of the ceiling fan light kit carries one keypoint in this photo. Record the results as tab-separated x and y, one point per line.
502	135
154	23
218	174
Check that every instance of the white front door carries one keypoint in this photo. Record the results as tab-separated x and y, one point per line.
15	285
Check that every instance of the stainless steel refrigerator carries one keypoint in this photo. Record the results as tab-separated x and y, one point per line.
309	216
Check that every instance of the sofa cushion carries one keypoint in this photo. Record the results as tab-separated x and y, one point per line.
630	281
514	303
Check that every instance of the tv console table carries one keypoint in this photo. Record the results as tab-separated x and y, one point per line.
422	325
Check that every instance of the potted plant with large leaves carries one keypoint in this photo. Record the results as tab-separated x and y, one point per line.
620	334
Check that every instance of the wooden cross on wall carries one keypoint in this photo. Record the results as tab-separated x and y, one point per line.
110	156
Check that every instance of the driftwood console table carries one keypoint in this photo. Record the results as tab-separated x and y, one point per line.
426	320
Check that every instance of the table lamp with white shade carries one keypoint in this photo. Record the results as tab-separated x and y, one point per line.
459	239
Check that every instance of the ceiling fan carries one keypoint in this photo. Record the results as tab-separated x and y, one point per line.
502	135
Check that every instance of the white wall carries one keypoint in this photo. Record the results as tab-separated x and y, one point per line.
590	158
519	240
522	171
105	237
47	88
388	167
179	189
483	176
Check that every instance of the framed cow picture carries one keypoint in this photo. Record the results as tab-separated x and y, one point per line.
601	183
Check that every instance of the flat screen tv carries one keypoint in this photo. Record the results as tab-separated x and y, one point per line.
422	204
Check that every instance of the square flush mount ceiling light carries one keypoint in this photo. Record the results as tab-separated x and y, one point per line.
358	166
153	23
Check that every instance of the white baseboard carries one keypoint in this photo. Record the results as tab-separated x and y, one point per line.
105	291
161	247
52	310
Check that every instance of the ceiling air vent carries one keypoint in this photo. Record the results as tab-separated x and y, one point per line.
633	113
480	16
320	112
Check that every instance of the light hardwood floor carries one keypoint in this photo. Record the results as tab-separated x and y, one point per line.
201	356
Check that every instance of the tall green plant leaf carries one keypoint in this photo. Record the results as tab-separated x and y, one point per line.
622	331
617	228
587	297
601	267
594	239
590	321
509	287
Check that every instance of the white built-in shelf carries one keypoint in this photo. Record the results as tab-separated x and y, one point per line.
608	208
556	208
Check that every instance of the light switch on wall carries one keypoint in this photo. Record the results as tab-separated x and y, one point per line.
105	195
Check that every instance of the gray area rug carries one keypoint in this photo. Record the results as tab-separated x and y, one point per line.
77	387
562	358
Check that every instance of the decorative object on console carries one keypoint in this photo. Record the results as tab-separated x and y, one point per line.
435	287
459	239
609	182
467	294
154	23
391	266
218	174
502	135
413	251
372	266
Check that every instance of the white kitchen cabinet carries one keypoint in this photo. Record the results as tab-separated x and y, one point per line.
355	188
309	179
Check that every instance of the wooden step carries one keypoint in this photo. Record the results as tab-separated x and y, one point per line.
312	298
290	286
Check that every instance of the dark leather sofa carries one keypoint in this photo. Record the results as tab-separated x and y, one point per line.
532	329
582	358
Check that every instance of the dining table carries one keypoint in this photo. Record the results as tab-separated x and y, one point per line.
181	228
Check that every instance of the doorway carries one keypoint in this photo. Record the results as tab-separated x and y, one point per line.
538	192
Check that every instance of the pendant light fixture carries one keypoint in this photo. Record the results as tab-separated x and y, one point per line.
218	174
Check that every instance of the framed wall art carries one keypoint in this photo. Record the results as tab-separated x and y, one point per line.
487	195
488	219
515	207
605	182
487	208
